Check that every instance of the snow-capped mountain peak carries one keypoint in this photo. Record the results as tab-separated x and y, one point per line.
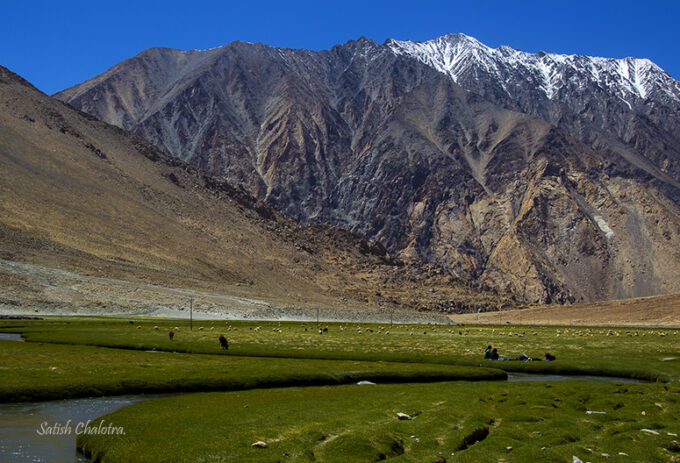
463	58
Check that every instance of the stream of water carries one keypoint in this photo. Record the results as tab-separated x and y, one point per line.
514	377
21	424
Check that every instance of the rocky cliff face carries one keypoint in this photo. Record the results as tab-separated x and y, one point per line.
552	177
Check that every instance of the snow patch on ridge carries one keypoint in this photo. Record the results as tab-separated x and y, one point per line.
604	226
457	55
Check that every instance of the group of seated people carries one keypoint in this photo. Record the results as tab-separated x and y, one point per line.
492	354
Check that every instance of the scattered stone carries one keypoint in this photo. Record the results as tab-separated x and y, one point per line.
576	459
259	444
592	412
668	359
403	416
508	448
365	383
672	434
623	454
649	431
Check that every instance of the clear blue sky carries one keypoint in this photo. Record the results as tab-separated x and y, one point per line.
56	44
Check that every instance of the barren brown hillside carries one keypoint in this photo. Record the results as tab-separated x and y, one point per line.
81	195
646	311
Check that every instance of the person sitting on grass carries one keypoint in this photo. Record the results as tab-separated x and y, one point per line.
494	354
549	358
487	352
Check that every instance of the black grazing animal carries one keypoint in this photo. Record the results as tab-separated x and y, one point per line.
171	334
223	342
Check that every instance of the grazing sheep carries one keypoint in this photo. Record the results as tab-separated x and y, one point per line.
155	327
171	334
223	342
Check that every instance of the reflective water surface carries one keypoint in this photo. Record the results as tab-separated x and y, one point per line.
22	423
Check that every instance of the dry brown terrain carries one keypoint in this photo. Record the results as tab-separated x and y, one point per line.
39	290
82	196
646	311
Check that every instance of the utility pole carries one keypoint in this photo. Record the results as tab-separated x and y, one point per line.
390	318
317	318
191	314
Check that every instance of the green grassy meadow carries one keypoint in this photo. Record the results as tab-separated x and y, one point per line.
291	387
538	421
625	352
42	371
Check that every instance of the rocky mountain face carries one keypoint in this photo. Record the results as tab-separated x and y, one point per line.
553	177
86	207
630	106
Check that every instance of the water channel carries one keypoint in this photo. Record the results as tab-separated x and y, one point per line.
21	424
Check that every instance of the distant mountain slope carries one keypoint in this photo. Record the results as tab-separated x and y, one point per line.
521	172
79	194
630	105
